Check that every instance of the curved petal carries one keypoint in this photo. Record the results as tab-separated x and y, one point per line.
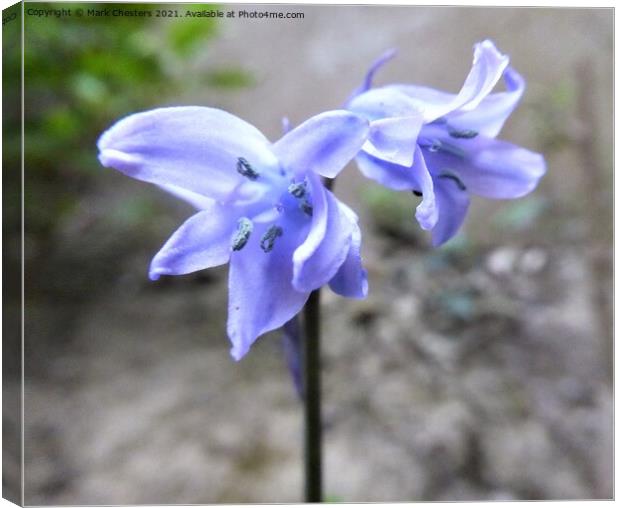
376	65
203	241
323	144
194	148
453	203
318	259
351	279
261	296
392	176
489	116
488	66
394	139
414	178
426	211
489	167
385	102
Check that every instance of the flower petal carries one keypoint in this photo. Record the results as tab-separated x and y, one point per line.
426	212
453	203
376	65
326	247
489	116
385	102
489	167
394	139
392	176
351	279
413	178
488	67
323	144
203	241
194	148
261	296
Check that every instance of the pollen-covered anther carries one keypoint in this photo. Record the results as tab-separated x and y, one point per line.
298	190
417	193
242	235
269	238
462	133
244	168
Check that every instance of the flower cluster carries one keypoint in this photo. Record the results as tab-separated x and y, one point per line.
263	207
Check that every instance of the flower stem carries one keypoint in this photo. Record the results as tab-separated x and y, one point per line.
312	406
313	431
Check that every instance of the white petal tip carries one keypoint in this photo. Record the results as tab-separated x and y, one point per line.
156	272
237	353
116	159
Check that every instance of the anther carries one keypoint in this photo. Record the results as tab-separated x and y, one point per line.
242	235
417	193
439	121
306	207
456	179
297	189
462	134
244	168
269	238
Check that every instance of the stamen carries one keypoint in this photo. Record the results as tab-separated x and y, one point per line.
244	230
297	189
456	180
244	168
417	193
269	238
462	134
306	207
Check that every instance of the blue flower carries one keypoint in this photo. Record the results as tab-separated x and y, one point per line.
442	146
262	206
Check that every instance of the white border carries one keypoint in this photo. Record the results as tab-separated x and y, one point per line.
479	3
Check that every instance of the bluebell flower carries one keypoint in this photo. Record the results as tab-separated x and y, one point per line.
262	206
443	146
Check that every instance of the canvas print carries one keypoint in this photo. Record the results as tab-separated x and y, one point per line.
259	253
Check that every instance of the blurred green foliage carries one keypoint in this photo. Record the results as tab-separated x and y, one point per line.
82	74
229	78
554	110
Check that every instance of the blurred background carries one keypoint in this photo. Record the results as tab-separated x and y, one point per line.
480	370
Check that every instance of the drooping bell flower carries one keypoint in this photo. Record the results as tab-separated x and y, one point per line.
262	207
442	146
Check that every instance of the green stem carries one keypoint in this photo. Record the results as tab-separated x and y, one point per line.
312	406
313	431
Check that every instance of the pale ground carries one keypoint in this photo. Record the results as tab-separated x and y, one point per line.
478	374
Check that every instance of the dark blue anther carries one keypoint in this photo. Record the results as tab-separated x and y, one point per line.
462	133
244	168
306	207
297	189
269	238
